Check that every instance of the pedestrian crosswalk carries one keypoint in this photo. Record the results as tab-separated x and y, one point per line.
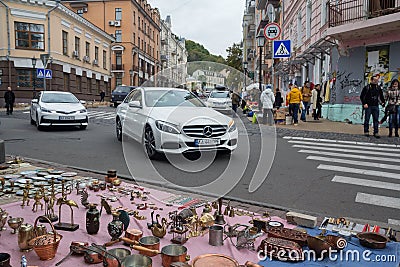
104	115
365	165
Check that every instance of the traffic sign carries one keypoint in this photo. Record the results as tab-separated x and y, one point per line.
282	49
272	31
48	74
44	74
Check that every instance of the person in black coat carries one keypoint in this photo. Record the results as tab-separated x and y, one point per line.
9	98
278	99
102	95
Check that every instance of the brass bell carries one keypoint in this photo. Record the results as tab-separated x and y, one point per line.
214	205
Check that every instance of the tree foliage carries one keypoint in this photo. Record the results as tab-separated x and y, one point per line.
235	56
197	52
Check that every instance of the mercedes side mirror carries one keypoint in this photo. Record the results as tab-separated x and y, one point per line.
135	104
34	101
83	102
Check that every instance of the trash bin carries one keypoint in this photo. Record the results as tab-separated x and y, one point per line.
289	120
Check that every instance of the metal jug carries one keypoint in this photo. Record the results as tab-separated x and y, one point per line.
25	234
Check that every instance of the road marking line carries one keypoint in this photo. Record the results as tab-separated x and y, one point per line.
359	171
363	182
102	115
347	146
355	162
348	155
393	222
340	141
26	112
351	151
376	200
108	118
98	112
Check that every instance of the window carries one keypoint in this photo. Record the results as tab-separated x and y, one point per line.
65	42
26	78
98	86
138	21
79	83
87	48
308	19
77	45
29	36
134	38
96	53
138	42
105	60
118	13
118	58
142	45
145	47
134	17
89	85
67	88
118	36
299	30
118	79
145	28
324	13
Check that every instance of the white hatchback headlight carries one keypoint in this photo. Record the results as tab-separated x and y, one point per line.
167	127
45	110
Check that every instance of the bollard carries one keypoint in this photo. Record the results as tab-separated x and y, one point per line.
2	152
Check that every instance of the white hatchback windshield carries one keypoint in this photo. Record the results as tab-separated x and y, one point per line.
219	94
171	98
59	98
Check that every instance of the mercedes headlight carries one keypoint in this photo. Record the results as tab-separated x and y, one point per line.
231	126
83	111
45	110
167	127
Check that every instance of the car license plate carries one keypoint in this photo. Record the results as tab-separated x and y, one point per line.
67	118
206	142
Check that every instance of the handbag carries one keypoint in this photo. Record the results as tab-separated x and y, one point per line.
391	108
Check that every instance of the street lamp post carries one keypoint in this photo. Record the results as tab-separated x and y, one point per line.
131	72
245	65
260	44
34	75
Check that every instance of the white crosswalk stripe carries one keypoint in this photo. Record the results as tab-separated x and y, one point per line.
358	165
104	115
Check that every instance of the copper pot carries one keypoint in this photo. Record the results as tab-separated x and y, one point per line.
93	255
150	242
173	253
372	240
319	245
137	260
115	256
133	234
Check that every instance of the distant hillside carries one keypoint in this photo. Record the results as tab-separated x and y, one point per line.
197	52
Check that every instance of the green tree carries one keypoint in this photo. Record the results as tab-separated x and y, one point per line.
197	52
235	56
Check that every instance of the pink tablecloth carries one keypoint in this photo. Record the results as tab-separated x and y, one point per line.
196	246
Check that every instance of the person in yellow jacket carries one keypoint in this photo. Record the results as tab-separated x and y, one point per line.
294	98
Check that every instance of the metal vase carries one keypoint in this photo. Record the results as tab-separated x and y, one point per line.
216	235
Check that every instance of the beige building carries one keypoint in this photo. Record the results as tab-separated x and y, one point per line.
136	28
78	52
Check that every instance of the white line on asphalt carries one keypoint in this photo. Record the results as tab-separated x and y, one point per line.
393	222
333	154
26	112
97	112
101	115
375	153
359	171
355	162
383	201
363	182
340	141
108	118
346	146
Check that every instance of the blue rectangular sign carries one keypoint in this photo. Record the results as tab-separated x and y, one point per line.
44	73
282	49
40	73
48	74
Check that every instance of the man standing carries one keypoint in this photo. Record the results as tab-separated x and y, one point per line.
9	98
267	100
371	96
102	95
306	92
235	101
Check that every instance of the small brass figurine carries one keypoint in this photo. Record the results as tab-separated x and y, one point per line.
25	195
37	199
66	226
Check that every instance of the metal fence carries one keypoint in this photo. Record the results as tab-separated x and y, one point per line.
347	11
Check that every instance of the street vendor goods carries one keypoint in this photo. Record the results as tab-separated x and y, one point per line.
288	234
281	249
372	240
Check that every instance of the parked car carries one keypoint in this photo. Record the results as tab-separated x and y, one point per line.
53	108
170	120
220	100
119	94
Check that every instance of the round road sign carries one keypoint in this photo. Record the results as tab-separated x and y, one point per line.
272	31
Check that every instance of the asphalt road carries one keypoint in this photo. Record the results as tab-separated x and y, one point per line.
293	181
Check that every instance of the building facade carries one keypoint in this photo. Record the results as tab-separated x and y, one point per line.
209	79
135	25
249	40
77	52
173	54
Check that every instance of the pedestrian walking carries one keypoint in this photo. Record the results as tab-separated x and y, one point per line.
294	99
371	96
287	99
392	97
102	95
306	93
267	99
316	100
278	99
9	98
235	100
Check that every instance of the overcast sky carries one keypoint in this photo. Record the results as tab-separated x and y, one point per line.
216	24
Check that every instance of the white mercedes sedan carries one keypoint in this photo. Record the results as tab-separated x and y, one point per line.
170	120
54	108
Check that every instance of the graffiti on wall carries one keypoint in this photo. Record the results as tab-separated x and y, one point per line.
349	85
377	63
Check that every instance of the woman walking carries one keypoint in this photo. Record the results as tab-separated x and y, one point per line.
393	100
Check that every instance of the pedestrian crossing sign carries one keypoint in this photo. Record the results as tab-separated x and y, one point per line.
282	49
44	73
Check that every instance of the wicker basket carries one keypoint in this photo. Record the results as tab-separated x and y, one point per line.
46	245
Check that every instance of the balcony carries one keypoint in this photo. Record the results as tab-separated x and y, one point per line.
251	30
117	67
164	58
360	19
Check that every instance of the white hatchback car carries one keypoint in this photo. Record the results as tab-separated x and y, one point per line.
220	100
54	108
170	120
